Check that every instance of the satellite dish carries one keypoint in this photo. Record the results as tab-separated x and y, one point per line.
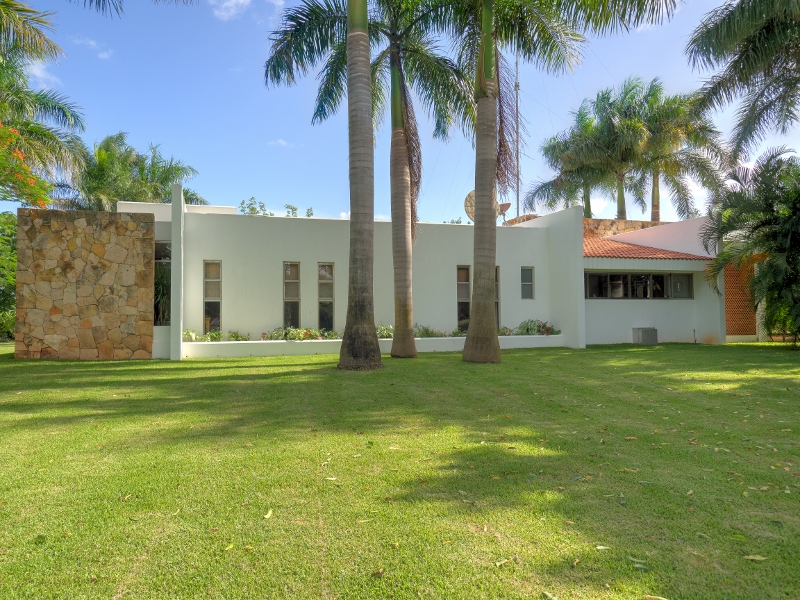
469	205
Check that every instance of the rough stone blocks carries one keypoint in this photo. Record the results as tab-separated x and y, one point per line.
76	272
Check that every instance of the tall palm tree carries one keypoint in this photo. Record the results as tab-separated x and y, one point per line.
23	29
116	6
754	45
683	143
47	122
574	182
755	221
406	59
543	33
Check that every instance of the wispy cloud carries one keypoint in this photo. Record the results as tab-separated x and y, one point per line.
344	215
41	77
225	10
282	143
103	51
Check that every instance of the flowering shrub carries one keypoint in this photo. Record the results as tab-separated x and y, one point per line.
536	327
17	181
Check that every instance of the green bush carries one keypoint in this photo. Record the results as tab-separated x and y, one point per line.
458	333
385	332
299	334
215	335
8	321
235	336
505	330
423	331
536	327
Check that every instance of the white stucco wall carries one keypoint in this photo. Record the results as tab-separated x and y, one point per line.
682	236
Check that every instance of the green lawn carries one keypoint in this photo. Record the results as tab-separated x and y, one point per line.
284	478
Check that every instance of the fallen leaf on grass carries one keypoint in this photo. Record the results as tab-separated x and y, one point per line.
575	562
629	438
649	597
755	557
379	573
636	560
269	514
500	563
602	547
229	547
641	567
549	596
331	478
248	548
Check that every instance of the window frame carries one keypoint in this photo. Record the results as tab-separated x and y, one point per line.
332	298
668	284
207	327
532	283
297	300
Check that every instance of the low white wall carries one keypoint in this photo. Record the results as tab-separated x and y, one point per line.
161	341
310	347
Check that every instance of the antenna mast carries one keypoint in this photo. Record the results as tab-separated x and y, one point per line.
516	90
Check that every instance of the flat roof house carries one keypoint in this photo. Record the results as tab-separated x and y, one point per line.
252	274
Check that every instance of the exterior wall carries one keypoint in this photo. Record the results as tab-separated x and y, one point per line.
252	250
740	318
682	236
607	227
611	321
84	285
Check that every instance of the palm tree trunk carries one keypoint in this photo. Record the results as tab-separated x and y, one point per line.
482	344
403	345
621	214
655	203
587	202
360	349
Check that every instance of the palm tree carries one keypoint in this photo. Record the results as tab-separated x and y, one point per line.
754	46
116	6
683	143
407	59
544	33
755	221
47	122
22	29
574	182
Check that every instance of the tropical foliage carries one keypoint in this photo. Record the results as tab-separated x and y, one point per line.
754	46
755	222
8	260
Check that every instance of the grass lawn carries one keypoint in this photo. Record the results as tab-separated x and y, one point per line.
611	472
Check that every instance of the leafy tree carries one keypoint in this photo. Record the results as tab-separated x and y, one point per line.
23	29
682	144
574	182
755	222
251	207
754	45
17	181
406	59
8	260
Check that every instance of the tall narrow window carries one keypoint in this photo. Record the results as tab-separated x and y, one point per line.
640	286
497	296
463	297
162	280
325	296
619	286
291	294
212	294
526	279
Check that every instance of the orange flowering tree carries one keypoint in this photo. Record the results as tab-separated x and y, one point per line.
17	181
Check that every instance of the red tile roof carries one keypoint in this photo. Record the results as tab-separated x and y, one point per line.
606	248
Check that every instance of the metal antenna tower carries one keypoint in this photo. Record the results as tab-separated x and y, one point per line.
516	90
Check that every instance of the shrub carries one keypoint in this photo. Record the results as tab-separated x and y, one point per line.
299	334
190	335
505	330
423	331
215	335
458	333
536	327
385	332
235	336
8	321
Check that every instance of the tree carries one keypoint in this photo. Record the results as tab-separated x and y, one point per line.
17	181
47	122
8	261
755	222
682	144
574	182
116	6
754	46
406	59
22	29
114	171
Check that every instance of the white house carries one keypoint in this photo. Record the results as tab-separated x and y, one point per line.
251	274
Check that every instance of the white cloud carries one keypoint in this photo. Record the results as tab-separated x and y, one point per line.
41	77
226	10
103	51
599	205
344	215
277	4
281	142
383	218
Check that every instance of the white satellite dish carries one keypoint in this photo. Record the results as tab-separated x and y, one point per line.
469	205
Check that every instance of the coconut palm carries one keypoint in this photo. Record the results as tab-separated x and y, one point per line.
682	144
47	122
406	59
23	29
574	182
116	6
755	221
754	46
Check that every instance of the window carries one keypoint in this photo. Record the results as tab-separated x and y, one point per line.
291	294
497	296
526	280
638	285
463	297
212	294
325	296
162	283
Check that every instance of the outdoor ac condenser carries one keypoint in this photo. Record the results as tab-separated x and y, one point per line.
645	335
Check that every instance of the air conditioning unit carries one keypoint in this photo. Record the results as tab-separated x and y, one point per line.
645	335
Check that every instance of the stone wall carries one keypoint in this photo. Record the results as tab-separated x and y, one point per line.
84	285
606	227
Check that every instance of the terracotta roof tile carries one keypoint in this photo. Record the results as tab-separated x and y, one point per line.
606	248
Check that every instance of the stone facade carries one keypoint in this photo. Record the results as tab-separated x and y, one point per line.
84	285
606	227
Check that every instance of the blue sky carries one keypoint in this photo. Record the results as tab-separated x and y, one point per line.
190	78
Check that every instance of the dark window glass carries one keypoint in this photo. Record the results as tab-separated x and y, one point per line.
526	280
596	285
659	286
682	285
211	321
463	315
163	251
640	286
326	315
162	292
291	314
618	285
